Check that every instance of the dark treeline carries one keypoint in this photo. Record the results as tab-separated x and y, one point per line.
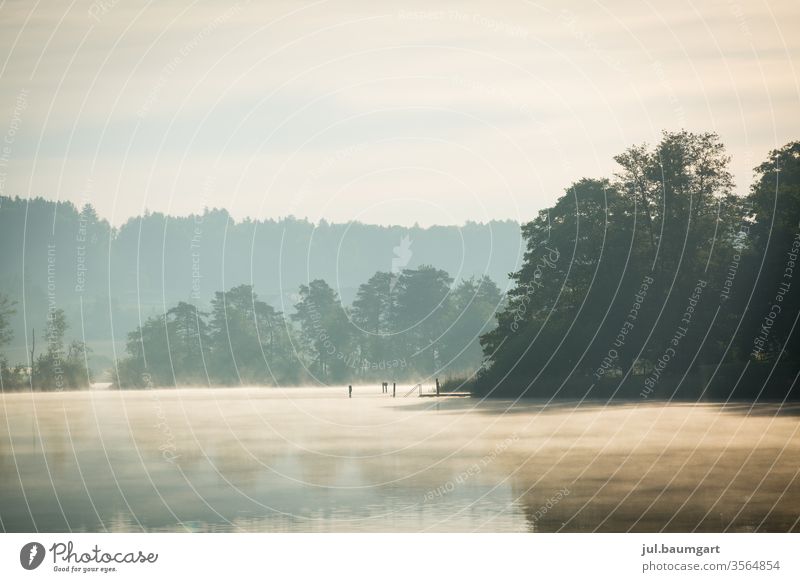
411	325
658	282
110	279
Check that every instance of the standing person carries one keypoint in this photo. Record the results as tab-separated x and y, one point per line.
350	391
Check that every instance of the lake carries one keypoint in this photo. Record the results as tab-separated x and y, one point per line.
312	459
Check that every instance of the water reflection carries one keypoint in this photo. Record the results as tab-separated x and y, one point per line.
313	460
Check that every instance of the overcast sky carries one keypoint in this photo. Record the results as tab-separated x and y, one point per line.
432	113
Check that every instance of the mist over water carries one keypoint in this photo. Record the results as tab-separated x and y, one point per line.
311	459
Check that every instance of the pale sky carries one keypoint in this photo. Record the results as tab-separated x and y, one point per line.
435	112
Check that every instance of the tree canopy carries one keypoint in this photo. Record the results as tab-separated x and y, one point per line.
631	283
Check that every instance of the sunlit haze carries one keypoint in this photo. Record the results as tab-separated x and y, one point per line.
373	112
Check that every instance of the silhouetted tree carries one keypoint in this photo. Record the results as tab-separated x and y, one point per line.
667	224
373	314
774	204
325	331
421	320
473	305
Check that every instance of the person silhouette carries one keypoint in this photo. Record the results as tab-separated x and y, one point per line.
350	391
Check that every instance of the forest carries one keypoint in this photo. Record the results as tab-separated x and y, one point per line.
410	325
109	278
400	327
657	282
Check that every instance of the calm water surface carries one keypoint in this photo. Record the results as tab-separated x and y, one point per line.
310	459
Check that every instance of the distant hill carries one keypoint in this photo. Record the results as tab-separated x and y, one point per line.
53	251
